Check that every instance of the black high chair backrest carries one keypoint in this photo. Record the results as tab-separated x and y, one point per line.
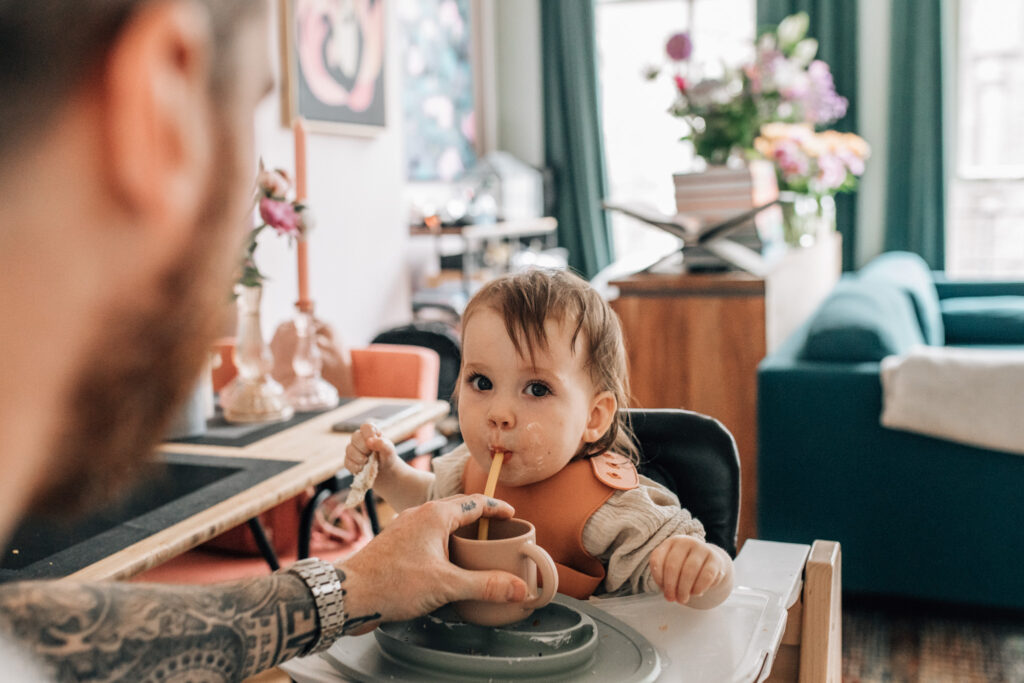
695	457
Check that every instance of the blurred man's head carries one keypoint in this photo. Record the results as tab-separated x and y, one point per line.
171	86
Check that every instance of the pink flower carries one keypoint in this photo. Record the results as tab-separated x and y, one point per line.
791	160
680	83
831	172
281	216
679	47
854	164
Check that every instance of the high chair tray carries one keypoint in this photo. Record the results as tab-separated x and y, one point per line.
732	643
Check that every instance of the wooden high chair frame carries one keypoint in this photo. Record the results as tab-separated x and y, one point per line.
811	649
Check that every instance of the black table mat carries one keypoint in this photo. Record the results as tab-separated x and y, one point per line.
220	432
48	548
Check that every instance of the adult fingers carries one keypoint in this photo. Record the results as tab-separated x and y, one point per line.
491	585
458	511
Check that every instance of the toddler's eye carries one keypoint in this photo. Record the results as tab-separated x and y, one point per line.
480	383
537	389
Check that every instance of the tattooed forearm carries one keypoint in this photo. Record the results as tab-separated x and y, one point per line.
140	632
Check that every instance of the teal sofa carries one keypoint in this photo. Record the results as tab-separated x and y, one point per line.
917	517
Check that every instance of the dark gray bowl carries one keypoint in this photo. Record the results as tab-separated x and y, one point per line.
553	640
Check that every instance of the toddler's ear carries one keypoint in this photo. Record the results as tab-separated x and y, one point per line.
603	408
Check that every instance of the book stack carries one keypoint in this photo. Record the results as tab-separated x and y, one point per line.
722	192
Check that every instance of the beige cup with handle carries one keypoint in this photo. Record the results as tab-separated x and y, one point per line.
511	546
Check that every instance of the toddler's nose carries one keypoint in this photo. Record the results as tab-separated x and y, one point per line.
500	418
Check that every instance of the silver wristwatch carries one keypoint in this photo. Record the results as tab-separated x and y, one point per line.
322	580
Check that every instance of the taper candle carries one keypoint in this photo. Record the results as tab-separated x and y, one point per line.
299	130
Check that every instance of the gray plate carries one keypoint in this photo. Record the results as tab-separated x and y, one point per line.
557	643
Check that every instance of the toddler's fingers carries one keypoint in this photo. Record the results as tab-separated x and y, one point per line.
671	567
368	430
355	460
378	444
688	576
709	576
656	561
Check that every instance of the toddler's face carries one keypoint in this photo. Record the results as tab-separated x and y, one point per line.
540	413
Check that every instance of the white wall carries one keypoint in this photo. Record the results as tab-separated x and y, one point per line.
520	106
358	277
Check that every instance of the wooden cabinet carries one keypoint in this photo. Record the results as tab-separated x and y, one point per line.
694	340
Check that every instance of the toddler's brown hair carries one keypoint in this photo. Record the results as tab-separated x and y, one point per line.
526	300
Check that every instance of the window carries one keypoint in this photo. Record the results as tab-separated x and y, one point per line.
642	148
985	222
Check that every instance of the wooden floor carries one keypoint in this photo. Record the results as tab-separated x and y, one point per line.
909	642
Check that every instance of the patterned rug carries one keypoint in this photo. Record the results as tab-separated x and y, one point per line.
909	642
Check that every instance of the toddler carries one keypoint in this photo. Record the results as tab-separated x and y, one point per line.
543	379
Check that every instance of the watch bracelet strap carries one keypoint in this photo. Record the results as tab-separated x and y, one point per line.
322	580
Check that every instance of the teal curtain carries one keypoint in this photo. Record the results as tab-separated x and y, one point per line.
915	196
834	24
573	145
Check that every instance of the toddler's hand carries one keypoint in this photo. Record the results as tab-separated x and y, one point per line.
369	440
685	567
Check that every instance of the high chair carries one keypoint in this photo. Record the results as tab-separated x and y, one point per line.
695	457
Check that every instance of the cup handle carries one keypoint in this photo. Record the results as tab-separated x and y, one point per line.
548	573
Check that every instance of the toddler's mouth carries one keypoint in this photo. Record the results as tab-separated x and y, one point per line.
494	450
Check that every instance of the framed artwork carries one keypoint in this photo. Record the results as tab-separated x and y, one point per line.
438	105
332	64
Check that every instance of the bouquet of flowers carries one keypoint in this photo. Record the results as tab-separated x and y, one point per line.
288	217
813	163
783	83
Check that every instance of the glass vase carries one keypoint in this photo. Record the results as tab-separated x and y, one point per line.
805	217
253	395
309	391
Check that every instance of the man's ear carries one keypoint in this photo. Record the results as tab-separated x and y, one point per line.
603	409
158	114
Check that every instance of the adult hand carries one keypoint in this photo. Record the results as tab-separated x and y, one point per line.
336	359
405	573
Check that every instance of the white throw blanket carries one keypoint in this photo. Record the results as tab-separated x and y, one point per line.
972	396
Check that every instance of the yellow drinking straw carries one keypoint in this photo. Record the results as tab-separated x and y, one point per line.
492	483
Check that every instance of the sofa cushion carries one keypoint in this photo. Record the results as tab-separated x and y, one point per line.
984	320
910	273
861	321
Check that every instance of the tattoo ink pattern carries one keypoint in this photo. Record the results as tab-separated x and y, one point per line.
469	505
140	632
353	624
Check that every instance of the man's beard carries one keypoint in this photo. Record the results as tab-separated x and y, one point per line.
142	366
